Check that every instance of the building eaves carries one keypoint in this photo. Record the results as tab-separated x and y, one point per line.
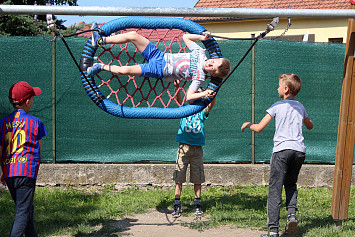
281	4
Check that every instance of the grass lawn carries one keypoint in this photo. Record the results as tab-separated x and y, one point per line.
79	212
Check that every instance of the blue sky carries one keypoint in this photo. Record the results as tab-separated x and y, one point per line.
70	20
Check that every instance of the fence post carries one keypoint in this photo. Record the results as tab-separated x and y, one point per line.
253	101
345	141
54	101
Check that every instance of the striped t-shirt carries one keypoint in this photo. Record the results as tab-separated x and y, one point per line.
20	134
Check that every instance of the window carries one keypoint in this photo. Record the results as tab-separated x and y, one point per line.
335	40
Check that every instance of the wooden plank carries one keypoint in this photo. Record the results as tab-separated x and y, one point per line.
349	152
341	143
346	140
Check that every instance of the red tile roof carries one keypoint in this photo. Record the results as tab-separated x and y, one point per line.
299	4
88	27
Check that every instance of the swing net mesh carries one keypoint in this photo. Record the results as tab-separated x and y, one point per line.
138	91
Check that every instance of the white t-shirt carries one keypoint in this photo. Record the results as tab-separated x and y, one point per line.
188	66
289	115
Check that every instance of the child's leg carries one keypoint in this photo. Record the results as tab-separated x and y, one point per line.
22	191
197	203
178	188
294	167
179	177
197	176
139	41
177	204
134	70
197	189
197	171
278	169
30	228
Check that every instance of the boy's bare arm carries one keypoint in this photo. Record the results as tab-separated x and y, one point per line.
210	106
259	127
192	95
308	122
189	38
178	95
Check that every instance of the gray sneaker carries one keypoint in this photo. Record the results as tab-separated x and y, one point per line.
95	37
95	69
177	211
291	225
198	210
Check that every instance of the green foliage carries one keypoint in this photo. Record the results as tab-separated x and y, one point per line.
72	29
22	25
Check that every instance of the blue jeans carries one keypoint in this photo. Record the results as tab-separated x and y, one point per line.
22	191
284	169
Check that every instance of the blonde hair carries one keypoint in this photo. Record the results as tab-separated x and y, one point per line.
292	81
224	69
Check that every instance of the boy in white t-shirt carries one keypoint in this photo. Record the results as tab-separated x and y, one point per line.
289	151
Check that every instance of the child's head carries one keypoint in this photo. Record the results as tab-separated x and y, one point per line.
292	81
217	67
21	93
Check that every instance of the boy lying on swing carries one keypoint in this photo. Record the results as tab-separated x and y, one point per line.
189	66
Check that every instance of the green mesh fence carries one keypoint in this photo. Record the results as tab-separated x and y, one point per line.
85	133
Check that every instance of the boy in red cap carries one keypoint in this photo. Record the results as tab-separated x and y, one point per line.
20	144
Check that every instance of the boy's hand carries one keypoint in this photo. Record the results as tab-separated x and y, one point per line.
245	125
209	93
206	35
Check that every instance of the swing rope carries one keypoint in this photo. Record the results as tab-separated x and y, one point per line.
81	71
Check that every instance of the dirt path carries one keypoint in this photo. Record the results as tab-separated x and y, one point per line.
159	224
162	224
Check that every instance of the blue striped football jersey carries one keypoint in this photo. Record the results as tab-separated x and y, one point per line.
20	134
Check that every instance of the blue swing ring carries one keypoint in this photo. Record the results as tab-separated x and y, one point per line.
87	59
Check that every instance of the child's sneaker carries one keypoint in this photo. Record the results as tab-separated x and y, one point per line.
291	225
95	69
177	211
270	234
198	210
95	37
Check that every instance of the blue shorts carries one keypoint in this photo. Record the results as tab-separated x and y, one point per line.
156	62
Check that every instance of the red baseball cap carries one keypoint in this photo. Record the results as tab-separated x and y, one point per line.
21	91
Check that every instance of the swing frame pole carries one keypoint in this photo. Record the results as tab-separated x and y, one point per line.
256	13
346	134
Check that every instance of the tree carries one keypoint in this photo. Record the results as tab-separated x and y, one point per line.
23	25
